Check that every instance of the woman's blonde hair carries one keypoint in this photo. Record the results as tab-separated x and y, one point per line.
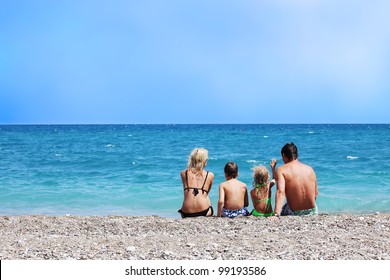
197	159
260	176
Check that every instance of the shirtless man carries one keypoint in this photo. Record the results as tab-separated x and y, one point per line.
297	183
233	194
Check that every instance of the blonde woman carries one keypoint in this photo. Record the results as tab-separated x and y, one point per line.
197	184
261	192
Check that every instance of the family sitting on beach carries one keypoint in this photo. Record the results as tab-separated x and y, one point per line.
296	182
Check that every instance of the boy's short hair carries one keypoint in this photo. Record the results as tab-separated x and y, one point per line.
231	169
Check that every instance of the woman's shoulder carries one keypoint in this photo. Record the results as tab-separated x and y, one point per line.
210	174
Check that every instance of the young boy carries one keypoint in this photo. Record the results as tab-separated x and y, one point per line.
233	194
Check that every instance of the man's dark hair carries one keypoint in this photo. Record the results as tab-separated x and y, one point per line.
231	169
290	151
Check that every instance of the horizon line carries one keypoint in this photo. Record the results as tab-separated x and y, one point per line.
265	123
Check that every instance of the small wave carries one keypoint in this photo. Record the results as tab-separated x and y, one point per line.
58	155
109	146
266	136
251	161
311	132
352	157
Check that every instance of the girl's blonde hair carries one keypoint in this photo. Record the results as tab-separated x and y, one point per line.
261	177
197	160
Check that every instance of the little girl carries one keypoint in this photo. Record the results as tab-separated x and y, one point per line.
261	192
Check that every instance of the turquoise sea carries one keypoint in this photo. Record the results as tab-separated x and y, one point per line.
134	169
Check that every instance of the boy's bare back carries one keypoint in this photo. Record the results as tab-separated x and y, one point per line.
234	193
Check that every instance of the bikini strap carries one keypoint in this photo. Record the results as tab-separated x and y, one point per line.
259	187
205	179
196	189
187	178
263	200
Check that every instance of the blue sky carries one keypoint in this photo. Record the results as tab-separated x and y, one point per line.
252	61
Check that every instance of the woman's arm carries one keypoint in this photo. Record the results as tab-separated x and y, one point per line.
221	200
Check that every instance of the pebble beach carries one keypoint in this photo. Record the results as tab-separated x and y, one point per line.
322	237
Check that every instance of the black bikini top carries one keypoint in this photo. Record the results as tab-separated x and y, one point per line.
196	190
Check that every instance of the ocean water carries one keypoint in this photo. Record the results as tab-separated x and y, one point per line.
134	169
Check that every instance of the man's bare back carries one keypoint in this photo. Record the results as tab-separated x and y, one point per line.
300	185
296	182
